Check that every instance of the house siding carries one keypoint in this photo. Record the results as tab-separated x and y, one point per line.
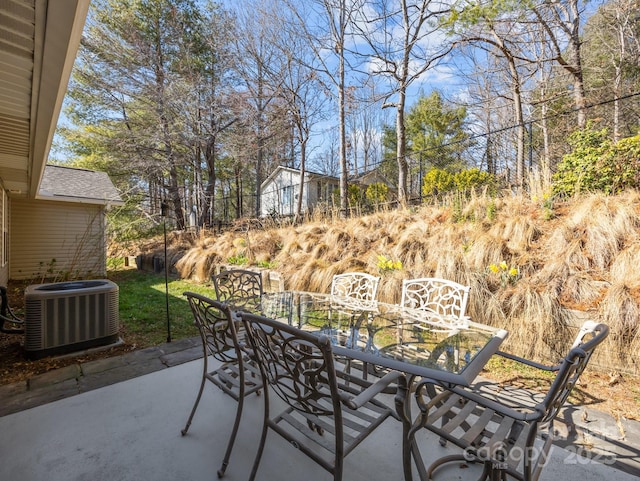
280	195
4	237
71	234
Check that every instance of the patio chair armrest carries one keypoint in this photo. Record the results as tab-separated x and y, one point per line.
528	362
527	415
355	402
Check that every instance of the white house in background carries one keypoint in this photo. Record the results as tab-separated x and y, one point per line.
280	191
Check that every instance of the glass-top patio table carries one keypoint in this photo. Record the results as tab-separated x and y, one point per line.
389	336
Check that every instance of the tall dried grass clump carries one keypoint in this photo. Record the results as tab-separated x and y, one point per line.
537	323
199	260
574	288
620	311
477	208
485	250
567	245
198	264
553	275
624	268
452	265
519	232
266	245
539	182
413	250
604	224
484	306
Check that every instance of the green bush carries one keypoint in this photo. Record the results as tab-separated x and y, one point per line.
439	181
598	164
625	163
377	193
475	179
355	195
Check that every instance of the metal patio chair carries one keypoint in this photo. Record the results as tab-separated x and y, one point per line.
509	430
444	304
441	296
325	417
354	290
237	287
237	375
358	288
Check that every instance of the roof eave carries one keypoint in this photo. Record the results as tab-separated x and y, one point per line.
56	46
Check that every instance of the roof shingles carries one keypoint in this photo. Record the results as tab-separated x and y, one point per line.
78	184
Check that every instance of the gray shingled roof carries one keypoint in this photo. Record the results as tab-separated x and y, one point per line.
79	185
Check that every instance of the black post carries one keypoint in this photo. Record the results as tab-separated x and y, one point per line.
420	180
165	210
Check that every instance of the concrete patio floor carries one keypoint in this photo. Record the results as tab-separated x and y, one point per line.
130	430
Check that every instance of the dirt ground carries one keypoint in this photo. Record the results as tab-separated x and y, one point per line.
609	392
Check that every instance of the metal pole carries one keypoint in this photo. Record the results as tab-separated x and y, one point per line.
164	208
420	181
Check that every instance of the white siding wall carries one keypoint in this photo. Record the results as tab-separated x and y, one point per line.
72	234
4	238
280	194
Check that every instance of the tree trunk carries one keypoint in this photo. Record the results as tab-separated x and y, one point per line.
344	172
301	192
403	169
208	213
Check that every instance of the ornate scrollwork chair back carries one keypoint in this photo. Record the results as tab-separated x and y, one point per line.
237	287
442	296
357	286
298	367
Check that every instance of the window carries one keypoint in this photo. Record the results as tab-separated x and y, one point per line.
286	195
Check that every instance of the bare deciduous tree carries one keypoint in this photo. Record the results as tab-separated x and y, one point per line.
403	40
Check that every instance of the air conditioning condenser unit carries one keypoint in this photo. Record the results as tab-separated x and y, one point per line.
65	317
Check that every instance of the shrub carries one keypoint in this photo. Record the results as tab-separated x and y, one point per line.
355	195
475	180
377	193
597	164
625	163
439	181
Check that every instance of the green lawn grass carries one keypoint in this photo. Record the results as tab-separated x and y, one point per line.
143	306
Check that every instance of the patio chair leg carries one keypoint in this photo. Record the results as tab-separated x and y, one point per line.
234	432
195	405
263	439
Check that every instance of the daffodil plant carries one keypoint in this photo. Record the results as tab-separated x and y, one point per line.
508	274
386	265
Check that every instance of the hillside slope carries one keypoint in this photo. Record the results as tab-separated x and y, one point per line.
534	268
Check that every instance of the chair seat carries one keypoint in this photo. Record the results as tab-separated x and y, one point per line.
484	434
227	377
315	435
